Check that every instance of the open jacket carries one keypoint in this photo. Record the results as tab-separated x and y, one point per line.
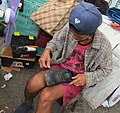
98	57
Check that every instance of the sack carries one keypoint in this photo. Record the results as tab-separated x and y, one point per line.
102	5
113	99
81	106
53	15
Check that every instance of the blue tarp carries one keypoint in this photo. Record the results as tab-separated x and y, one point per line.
114	14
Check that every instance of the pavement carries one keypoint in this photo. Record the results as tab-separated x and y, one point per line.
12	92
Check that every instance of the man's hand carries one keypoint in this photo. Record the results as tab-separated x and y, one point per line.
44	60
78	80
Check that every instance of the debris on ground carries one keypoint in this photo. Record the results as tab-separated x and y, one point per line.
3	86
8	76
2	111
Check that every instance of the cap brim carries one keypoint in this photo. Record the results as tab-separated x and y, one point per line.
71	26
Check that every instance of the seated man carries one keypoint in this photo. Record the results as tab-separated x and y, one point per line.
78	48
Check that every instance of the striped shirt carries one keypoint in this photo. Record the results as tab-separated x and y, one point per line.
98	57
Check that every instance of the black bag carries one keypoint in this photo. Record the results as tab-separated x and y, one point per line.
102	5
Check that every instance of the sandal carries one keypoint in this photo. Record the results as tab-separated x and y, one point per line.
24	108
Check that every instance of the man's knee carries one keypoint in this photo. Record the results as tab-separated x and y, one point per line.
35	83
46	95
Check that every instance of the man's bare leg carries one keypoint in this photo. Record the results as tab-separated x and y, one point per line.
47	97
34	85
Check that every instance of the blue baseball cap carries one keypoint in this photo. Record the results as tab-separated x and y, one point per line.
85	18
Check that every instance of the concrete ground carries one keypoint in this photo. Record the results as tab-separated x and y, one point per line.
12	92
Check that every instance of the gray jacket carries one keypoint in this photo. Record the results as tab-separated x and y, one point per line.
98	57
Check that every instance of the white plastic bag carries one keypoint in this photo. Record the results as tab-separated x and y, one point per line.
114	98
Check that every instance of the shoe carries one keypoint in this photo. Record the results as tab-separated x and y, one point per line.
53	77
24	108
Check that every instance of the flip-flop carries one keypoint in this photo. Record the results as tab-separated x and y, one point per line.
24	108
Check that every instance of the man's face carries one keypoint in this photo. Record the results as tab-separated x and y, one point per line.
80	38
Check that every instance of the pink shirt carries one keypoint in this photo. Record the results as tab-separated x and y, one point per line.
75	62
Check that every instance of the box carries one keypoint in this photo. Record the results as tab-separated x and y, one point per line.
22	40
23	46
7	60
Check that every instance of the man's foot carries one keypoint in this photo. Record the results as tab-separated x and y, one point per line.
24	108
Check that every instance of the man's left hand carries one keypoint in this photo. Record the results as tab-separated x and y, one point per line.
78	80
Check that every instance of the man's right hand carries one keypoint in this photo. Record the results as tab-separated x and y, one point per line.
44	60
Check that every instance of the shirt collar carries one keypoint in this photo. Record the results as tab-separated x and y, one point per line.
96	41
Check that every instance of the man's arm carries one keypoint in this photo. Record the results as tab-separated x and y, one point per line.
104	67
92	78
54	45
102	70
44	60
